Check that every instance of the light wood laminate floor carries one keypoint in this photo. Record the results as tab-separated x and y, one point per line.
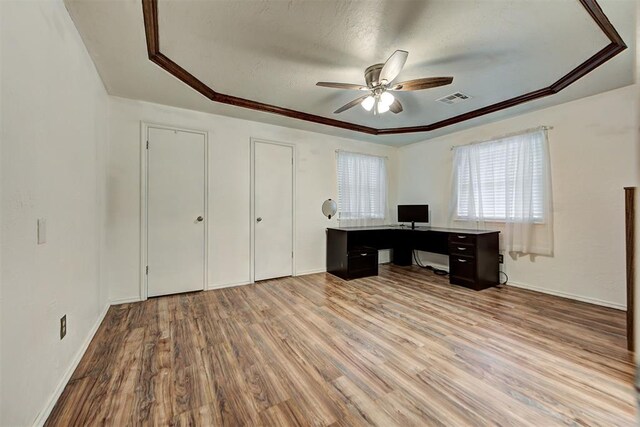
404	348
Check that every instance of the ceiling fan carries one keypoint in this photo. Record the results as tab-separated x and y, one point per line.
379	79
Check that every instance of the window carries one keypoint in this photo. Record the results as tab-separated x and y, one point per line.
362	188
507	182
502	180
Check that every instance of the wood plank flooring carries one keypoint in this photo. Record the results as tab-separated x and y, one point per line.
404	348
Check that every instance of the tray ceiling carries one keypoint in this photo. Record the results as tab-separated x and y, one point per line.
273	52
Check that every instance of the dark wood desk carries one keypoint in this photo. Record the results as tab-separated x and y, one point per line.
473	254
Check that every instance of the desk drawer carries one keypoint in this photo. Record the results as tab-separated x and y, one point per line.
462	267
363	263
462	238
463	249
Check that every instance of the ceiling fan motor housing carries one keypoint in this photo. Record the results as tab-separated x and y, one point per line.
372	75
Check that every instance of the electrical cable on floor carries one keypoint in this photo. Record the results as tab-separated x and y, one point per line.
437	271
506	278
417	260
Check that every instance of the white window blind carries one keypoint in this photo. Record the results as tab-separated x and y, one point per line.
498	182
506	180
362	188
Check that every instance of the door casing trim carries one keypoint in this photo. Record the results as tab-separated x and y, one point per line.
144	178
252	208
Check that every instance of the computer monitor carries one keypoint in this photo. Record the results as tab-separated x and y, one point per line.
413	214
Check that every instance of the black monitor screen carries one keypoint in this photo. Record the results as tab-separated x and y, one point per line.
413	213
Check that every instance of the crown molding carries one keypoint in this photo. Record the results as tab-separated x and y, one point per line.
616	45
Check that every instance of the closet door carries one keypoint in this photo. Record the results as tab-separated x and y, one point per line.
175	211
273	192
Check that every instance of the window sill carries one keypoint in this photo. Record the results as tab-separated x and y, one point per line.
499	221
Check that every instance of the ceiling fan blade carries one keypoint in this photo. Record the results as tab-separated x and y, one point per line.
342	86
419	84
395	107
351	104
393	66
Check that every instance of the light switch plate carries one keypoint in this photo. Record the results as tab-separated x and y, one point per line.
42	231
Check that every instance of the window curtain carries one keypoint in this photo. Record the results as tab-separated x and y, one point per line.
362	189
505	184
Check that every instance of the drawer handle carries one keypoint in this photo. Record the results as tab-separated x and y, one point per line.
461	249
462	237
364	254
462	260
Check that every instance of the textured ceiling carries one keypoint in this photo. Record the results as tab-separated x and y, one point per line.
275	52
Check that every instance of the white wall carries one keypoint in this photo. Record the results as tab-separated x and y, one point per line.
229	186
54	128
593	156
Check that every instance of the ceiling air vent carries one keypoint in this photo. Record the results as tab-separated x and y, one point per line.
454	98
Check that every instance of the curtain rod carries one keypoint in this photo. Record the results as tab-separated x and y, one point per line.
363	154
507	135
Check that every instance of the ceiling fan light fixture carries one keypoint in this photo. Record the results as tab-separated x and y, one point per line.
379	80
386	98
382	107
368	102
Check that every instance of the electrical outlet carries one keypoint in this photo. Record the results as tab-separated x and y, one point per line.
63	326
501	258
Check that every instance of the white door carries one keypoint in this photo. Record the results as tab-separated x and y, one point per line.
175	211
273	192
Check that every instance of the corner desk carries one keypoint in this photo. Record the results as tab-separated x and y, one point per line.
473	254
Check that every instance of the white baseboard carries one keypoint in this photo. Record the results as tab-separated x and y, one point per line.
581	298
124	300
226	285
324	270
243	283
384	256
433	264
589	300
304	273
42	416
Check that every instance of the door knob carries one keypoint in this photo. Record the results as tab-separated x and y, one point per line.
200	219
259	219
